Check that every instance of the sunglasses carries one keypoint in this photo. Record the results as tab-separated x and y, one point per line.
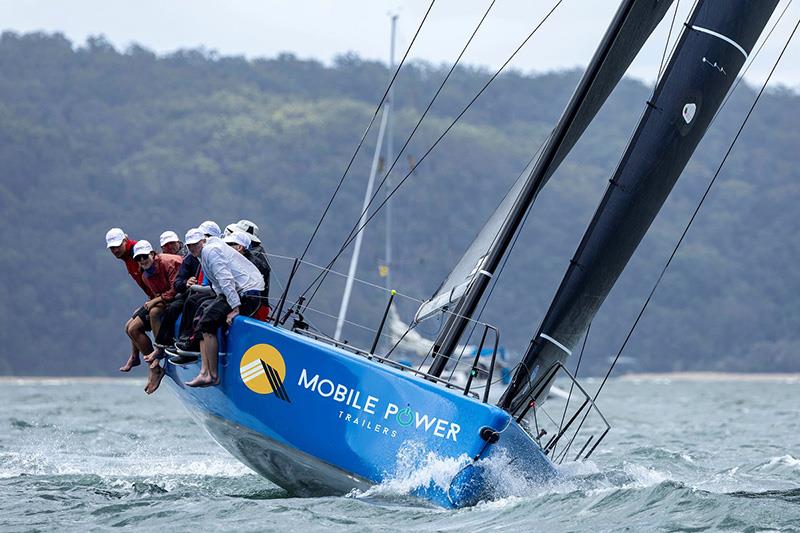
140	258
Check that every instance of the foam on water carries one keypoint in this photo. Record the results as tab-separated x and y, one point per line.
416	469
783	461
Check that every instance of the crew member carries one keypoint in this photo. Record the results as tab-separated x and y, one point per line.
137	326
171	244
210	229
190	274
238	285
158	273
241	242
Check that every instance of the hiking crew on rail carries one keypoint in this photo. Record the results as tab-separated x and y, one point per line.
199	285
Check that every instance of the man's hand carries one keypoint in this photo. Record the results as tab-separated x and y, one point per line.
191	281
232	315
148	305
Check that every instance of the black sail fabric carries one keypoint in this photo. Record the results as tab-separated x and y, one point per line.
709	55
633	23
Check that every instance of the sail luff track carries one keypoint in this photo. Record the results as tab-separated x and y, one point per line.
701	70
633	23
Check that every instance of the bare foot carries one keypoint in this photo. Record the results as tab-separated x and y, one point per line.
156	375
133	361
155	355
203	380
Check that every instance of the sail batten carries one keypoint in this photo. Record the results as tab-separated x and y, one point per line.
698	76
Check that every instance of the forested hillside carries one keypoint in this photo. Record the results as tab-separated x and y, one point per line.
92	137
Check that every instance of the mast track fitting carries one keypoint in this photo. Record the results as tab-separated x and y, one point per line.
720	36
574	262
652	105
615	182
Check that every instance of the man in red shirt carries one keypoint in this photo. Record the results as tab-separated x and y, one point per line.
158	274
137	326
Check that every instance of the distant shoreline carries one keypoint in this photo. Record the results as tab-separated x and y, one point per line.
710	376
643	376
60	380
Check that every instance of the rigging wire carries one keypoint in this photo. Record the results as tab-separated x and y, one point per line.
666	44
725	101
750	64
347	242
694	214
496	277
422	117
525	219
366	131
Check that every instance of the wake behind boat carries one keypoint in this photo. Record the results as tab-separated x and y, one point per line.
317	415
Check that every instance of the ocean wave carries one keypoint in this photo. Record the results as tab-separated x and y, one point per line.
784	461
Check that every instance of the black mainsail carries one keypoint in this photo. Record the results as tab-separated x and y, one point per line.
633	23
709	55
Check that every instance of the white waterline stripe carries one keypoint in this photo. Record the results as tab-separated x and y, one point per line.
551	339
720	36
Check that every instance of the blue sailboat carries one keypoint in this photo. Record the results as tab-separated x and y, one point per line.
317	415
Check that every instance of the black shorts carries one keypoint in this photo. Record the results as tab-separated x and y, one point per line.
145	316
215	314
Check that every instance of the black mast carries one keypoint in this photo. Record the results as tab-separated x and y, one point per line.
710	53
633	23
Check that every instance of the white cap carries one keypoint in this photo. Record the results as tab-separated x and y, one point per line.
114	237
142	248
168	236
250	228
194	235
230	228
209	227
239	237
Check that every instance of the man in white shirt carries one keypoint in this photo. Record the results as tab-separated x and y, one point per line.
238	285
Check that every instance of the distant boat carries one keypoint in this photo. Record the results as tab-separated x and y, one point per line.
318	416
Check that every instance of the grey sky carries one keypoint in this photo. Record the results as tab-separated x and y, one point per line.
322	29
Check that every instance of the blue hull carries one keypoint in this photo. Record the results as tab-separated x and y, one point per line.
318	420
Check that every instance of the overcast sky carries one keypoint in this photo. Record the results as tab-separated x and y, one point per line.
322	29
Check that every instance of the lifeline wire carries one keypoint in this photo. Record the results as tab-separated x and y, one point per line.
697	209
366	131
446	131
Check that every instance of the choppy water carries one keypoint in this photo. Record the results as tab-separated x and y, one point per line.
682	456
